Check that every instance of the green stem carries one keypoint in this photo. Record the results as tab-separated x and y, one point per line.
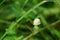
26	1
2	2
3	36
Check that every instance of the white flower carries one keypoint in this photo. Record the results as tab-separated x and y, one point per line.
36	22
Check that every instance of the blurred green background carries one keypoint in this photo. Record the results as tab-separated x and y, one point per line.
17	16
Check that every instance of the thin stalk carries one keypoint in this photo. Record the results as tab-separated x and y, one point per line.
3	36
3	21
2	2
26	1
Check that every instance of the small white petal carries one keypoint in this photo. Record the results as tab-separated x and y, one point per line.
36	21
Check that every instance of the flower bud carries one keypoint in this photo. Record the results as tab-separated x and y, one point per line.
36	22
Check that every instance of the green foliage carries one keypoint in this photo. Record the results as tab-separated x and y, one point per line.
16	19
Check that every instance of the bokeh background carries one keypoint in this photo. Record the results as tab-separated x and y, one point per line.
17	16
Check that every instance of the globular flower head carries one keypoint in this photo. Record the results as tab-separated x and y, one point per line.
36	21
